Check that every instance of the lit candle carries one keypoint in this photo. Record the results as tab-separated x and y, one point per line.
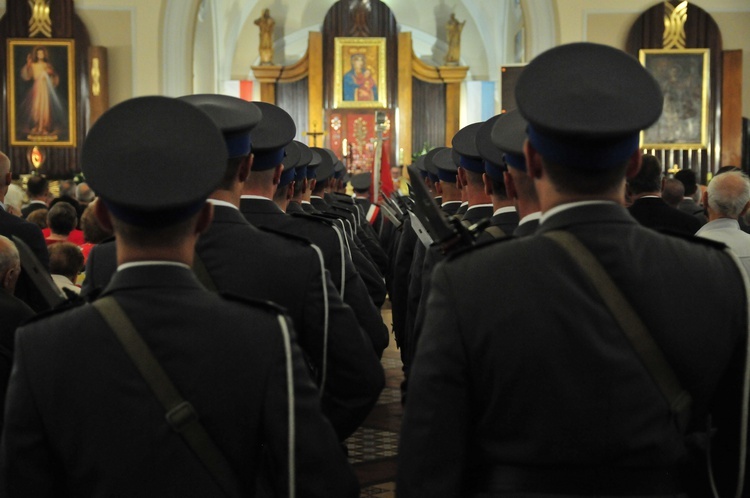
344	146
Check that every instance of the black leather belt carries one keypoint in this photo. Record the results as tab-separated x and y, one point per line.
579	481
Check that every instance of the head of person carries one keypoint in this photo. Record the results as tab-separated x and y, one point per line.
38	218
586	105
136	149
68	188
62	218
93	231
728	195
687	177
471	165
648	179
324	172
65	259
673	191
507	132
38	187
84	193
235	118
300	170
270	137
5	175
285	188
10	265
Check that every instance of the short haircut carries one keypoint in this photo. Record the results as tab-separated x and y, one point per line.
687	177
233	165
673	191
648	178
152	237
498	188
728	193
38	217
583	181
8	254
65	259
37	186
62	218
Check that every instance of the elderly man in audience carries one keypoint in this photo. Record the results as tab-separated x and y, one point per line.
11	225
727	198
13	312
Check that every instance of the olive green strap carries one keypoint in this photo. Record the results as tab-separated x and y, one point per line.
180	414
631	324
495	231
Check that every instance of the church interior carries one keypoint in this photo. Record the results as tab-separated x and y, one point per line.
368	79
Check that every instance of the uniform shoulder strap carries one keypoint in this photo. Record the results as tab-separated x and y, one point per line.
635	330
495	231
180	414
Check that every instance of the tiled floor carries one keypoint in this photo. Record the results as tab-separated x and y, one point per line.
372	449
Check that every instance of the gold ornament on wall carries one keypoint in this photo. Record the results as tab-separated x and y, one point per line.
40	22
675	18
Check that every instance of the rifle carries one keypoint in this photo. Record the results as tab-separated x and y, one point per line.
447	233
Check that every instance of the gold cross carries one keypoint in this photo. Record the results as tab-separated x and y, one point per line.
315	135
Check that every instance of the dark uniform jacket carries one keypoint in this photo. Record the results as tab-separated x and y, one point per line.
31	234
81	421
537	389
245	261
265	213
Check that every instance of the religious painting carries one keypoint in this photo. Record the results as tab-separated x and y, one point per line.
684	78
41	92
359	73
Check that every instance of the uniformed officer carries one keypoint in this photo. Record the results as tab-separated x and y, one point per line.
544	388
241	259
275	131
470	171
508	134
86	418
505	217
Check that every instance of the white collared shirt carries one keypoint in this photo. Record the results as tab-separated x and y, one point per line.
257	197
134	264
217	202
505	209
569	205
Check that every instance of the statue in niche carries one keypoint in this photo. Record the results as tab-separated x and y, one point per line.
266	23
453	30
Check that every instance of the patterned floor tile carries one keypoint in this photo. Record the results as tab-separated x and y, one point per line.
371	444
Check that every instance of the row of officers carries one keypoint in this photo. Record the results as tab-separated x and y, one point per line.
231	336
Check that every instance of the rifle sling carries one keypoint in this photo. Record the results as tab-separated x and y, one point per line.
180	414
635	330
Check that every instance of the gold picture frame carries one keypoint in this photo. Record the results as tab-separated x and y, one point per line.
41	92
363	86
684	79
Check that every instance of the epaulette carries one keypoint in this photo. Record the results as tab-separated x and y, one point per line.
286	235
343	197
694	238
269	306
61	308
480	245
